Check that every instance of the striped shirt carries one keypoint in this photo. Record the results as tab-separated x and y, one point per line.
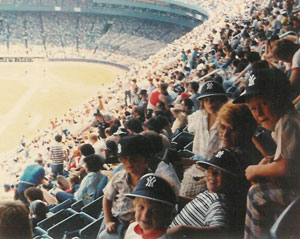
58	153
207	209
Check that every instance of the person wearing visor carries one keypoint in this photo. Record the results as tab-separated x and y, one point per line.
276	179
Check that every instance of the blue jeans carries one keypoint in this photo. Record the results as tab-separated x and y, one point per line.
21	189
57	169
63	196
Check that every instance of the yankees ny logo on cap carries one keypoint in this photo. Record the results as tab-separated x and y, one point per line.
150	181
219	154
252	79
210	86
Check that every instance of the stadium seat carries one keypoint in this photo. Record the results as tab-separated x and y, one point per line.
91	230
76	206
101	186
47	223
93	208
287	224
62	205
70	225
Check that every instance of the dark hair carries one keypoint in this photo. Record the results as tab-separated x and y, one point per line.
285	49
195	86
58	138
94	162
188	102
34	193
253	56
87	149
134	125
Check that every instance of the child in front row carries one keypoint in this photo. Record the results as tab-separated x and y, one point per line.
154	201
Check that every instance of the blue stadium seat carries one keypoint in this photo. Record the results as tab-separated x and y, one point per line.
62	205
287	224
70	225
93	208
91	230
49	222
76	206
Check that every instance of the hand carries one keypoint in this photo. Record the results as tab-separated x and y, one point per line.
251	172
110	227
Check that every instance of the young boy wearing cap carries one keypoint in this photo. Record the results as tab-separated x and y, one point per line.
154	201
118	210
277	179
213	211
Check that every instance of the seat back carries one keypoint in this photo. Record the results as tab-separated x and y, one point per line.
91	230
70	224
63	205
287	224
93	208
56	218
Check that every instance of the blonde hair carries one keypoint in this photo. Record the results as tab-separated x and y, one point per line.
165	210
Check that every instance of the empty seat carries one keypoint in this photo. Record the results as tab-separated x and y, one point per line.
91	230
62	205
70	225
54	219
93	208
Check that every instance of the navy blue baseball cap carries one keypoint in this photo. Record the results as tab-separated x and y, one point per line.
267	82
211	88
225	160
154	188
134	145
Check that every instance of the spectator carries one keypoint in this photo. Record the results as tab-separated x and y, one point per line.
154	201
33	175
38	211
276	178
14	221
212	213
92	164
118	209
58	154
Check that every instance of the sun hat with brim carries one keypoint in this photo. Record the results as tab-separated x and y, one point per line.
267	82
224	160
154	188
211	88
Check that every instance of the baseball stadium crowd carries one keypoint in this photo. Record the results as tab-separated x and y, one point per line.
199	140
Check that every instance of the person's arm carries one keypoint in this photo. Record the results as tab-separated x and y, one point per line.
295	101
192	232
85	129
274	169
50	199
110	225
294	76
